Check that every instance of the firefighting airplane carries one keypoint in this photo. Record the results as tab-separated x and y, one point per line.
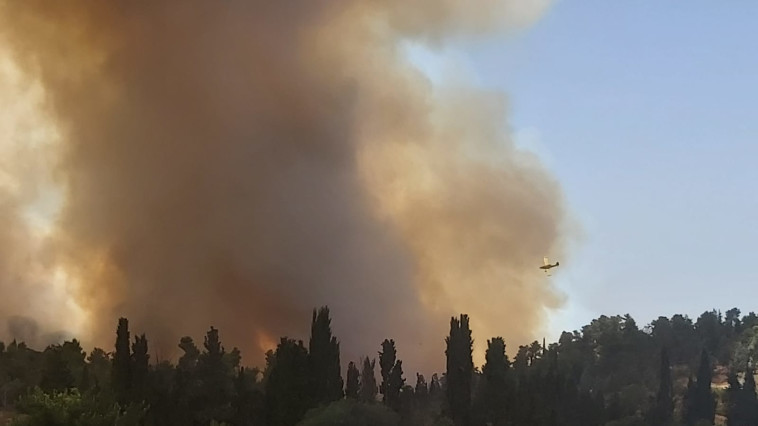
547	266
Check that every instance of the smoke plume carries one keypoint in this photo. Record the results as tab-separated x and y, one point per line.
239	163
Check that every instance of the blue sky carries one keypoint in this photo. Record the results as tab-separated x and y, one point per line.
646	111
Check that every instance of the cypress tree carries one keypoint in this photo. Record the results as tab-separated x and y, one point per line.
353	385
387	358
324	356
663	409
216	379
121	375
700	401
734	400
368	389
460	368
421	391
434	386
287	393
495	381
395	384
140	369
749	398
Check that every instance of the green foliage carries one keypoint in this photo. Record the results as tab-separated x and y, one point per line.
351	413
71	408
610	372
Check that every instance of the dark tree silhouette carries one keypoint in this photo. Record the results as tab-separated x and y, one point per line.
700	403
387	358
495	372
421	391
434	386
395	384
735	405
561	384
287	392
99	366
749	397
324	356
186	384
406	405
352	386
248	402
460	368
742	409
663	409
56	374
140	368
368	389
86	381
121	376
216	379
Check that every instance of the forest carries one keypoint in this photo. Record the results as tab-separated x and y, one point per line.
674	371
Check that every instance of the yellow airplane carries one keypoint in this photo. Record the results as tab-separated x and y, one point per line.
546	266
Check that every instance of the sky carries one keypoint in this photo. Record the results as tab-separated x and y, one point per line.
646	114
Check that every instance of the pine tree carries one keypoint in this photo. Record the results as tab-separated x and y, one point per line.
460	368
324	355
387	359
140	368
121	374
368	389
352	387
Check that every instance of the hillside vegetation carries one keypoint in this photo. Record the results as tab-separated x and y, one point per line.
674	371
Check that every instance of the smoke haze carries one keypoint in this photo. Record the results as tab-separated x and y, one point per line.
237	164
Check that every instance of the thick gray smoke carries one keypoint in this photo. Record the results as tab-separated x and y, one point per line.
239	163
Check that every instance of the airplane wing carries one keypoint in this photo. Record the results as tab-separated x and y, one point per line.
547	262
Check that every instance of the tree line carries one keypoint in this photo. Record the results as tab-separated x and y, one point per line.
675	371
